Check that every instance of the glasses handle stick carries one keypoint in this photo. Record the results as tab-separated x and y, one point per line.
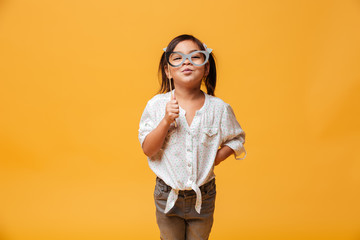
171	91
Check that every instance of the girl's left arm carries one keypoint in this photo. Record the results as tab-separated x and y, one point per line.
222	154
232	135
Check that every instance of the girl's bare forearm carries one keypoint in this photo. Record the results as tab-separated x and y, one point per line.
222	154
155	139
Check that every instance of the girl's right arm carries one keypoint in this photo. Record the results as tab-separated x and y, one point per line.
155	139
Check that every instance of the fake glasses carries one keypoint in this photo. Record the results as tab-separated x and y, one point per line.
197	58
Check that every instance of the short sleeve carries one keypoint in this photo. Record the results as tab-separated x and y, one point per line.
232	134
147	122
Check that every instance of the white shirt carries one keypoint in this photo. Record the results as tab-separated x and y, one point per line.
186	159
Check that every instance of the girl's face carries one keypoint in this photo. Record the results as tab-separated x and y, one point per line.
187	74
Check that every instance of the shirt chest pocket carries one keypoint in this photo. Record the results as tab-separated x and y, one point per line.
209	136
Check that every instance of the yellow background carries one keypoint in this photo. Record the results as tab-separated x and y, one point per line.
75	76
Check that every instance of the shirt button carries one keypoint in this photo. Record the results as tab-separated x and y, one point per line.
189	164
189	150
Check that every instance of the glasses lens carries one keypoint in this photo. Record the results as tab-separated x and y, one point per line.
198	58
175	59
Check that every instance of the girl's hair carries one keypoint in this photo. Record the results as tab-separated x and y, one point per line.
210	80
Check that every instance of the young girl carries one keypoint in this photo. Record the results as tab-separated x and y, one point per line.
181	130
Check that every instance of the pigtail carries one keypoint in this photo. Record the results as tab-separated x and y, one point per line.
210	80
164	85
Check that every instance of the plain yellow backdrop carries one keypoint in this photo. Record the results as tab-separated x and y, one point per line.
75	76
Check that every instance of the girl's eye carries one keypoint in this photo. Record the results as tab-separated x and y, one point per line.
196	57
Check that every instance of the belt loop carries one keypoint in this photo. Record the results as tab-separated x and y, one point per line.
164	186
161	184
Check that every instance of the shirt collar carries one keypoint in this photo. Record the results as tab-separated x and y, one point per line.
203	108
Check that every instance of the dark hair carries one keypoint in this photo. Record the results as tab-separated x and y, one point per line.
210	80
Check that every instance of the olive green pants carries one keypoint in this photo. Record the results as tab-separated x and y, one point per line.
182	221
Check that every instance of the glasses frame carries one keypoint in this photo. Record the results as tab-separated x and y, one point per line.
188	56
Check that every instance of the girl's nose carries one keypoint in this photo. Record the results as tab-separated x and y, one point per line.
187	61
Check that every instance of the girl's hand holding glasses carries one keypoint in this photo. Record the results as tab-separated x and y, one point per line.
172	110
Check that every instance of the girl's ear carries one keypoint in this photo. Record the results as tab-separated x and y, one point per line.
207	69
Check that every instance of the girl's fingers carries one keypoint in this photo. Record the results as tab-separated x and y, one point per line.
172	103
175	115
174	109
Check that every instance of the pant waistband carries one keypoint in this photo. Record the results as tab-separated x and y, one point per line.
203	188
